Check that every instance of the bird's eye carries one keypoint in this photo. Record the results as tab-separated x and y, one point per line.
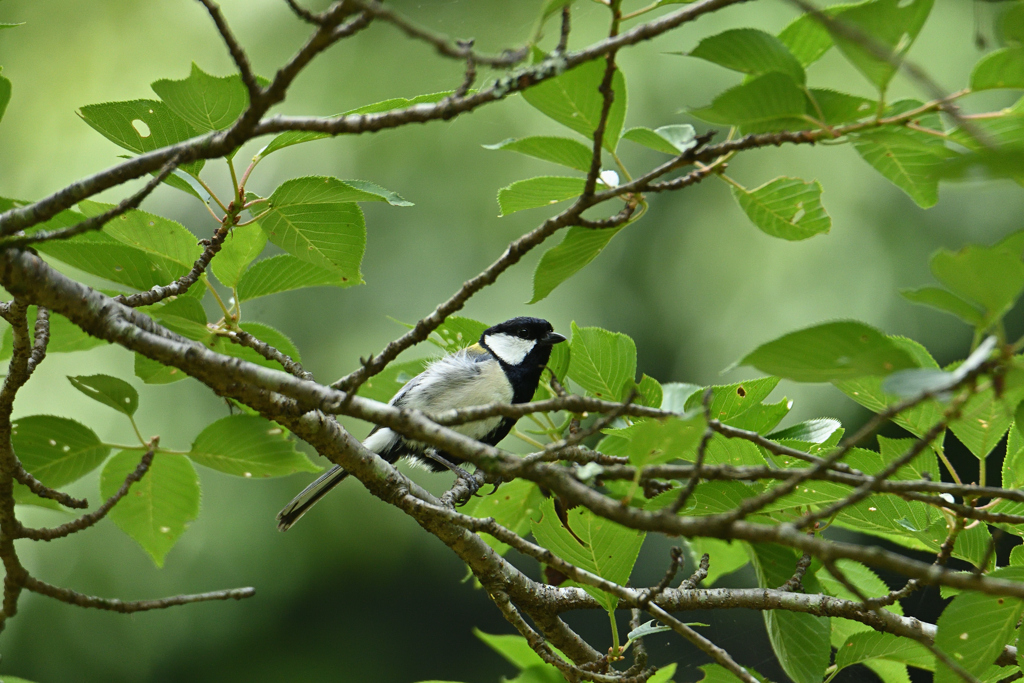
523	332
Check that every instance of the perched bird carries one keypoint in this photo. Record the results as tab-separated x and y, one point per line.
504	367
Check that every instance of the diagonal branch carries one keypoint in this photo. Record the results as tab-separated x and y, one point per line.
129	606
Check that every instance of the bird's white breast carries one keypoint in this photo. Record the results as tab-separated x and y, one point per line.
459	381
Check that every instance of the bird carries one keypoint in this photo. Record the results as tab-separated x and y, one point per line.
505	366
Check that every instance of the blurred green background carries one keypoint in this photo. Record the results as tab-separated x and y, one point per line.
357	592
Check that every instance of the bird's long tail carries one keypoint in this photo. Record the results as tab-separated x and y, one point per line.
309	496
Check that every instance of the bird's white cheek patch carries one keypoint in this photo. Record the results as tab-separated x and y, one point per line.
510	349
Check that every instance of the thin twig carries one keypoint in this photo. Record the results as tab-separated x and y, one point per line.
128	606
86	521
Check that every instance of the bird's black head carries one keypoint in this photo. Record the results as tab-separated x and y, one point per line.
522	346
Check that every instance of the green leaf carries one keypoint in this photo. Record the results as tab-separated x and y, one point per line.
1013	463
515	649
726	557
729	401
65	336
594	544
140	126
789	208
109	391
750	51
838	107
806	39
891	25
248	446
515	505
243	244
810	431
865	646
103	256
763	417
206	102
572	99
800	641
649	392
160	506
314	219
56	450
1012	25
537	192
655	442
984	420
602	362
910	159
295	137
457	332
675	395
579	247
284	273
665	673
381	387
830	352
990	276
944	301
767	103
154	235
1000	69
564	151
868	392
5	95
672	140
975	627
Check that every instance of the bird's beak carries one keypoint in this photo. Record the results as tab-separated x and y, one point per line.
552	338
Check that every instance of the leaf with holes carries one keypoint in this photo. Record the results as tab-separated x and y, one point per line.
206	102
537	192
248	446
241	247
602	362
563	151
1000	69
750	51
140	126
767	103
830	352
457	332
789	208
109	391
315	220
515	506
283	273
801	641
56	450
160	506
975	627
579	247
592	543
672	140
729	401
890	25
572	99
870	645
